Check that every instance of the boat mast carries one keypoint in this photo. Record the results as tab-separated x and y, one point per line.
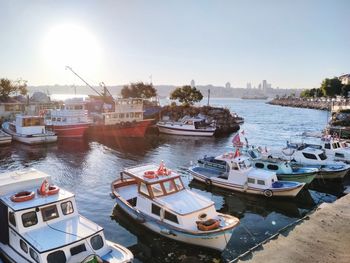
67	67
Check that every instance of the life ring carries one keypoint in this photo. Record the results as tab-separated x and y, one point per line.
208	181
267	193
23	196
208	225
46	189
150	174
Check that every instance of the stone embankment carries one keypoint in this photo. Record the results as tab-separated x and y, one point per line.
226	122
323	238
302	103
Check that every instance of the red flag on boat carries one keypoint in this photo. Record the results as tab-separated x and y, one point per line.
236	140
237	154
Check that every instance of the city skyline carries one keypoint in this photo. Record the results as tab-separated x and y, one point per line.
293	44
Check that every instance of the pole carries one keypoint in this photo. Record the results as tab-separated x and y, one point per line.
208	96
67	67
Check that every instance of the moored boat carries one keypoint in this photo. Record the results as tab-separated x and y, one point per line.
126	120
156	197
70	120
193	126
29	130
239	175
303	154
284	170
39	222
5	138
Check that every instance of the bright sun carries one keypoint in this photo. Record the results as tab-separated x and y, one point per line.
71	45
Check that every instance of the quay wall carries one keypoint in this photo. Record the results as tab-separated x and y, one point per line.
321	237
302	103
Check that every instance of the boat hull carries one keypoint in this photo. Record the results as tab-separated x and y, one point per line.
269	192
331	174
5	139
216	241
301	178
133	129
187	132
70	131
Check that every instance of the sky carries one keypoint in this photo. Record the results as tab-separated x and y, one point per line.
291	44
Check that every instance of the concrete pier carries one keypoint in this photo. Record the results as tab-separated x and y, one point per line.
323	238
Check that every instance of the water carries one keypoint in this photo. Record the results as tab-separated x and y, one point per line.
88	167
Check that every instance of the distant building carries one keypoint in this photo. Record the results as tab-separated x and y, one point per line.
193	84
228	85
345	79
264	85
249	85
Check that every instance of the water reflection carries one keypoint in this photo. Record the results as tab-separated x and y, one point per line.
154	248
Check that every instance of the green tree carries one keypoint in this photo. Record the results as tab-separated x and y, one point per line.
345	90
186	95
311	93
305	94
138	90
331	87
9	87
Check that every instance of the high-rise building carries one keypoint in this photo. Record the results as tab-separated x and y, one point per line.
264	85
249	85
228	85
193	84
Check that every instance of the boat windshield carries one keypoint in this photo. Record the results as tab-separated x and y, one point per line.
336	145
323	156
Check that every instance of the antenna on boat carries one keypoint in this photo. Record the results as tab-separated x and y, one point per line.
67	67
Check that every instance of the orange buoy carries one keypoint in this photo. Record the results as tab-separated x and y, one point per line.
22	196
208	225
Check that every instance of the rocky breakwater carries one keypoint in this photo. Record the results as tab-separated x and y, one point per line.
302	103
226	122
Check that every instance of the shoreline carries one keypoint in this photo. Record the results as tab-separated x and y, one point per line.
301	103
320	237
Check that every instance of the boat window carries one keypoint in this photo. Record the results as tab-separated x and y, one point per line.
77	249
338	145
132	201
23	245
340	155
12	218
49	212
143	189
56	257
157	189
54	119
126	115
155	210
171	217
67	208
178	184
131	115
29	219
96	242
327	146
34	255
322	156
272	167
169	186
259	165
261	182
251	180
252	154
335	146
310	156
121	115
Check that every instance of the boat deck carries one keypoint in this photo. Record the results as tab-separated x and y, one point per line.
209	172
128	191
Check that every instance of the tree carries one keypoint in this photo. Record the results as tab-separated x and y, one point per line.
8	87
138	90
345	90
331	87
186	95
311	93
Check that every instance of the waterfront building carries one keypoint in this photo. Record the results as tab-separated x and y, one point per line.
345	79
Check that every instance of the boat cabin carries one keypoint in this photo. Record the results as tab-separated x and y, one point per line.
43	228
71	112
126	110
28	125
239	170
309	155
162	196
274	165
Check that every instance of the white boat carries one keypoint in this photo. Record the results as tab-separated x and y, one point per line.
241	176
156	197
5	138
195	126
70	120
29	129
40	223
311	156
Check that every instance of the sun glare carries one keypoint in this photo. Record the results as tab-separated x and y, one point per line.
71	45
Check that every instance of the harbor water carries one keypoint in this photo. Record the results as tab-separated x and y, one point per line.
88	167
